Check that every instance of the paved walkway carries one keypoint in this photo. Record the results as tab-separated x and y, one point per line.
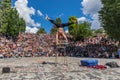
33	69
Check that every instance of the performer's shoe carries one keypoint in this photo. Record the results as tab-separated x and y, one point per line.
47	18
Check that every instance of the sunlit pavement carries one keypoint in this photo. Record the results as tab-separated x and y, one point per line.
70	69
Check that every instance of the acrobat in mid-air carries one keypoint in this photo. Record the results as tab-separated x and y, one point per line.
60	28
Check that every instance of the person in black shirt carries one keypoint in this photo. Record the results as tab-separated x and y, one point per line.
60	30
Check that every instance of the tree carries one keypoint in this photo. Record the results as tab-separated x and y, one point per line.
5	4
41	31
0	3
71	28
22	25
11	23
110	17
16	24
4	11
99	31
54	28
79	31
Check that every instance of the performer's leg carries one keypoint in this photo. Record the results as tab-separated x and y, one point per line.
57	38
52	21
63	34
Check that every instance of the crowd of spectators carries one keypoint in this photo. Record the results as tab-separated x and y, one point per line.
26	45
32	45
96	47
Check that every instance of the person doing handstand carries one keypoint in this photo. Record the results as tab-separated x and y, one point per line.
60	30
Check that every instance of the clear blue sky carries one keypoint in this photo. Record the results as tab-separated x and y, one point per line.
54	8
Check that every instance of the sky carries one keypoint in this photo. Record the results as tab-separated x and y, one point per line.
34	12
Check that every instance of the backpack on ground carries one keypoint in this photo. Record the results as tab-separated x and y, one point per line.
112	64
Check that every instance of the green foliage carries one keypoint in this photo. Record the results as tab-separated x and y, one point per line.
72	28
85	30
41	31
6	4
110	17
54	28
10	22
98	31
79	31
22	25
101	30
58	20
